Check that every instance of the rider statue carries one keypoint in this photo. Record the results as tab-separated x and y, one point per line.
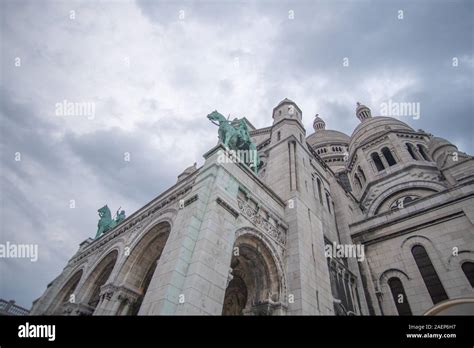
106	222
236	138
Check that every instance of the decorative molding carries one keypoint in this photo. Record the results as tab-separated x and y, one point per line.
277	233
411	136
107	291
374	142
191	200
135	223
260	131
227	207
263	144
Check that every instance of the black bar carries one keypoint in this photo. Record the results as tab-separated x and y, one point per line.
242	330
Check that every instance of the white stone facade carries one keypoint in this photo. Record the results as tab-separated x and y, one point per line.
225	241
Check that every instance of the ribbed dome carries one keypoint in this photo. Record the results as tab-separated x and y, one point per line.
437	142
327	136
360	107
363	113
285	101
318	123
374	126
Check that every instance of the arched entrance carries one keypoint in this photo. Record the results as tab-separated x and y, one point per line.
255	286
138	271
65	293
99	277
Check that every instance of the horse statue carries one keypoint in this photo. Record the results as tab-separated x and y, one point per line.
236	137
106	222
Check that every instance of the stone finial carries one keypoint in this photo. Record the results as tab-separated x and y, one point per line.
363	112
318	123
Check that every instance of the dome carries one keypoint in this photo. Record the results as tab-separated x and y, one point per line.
363	113
283	112
436	143
374	126
285	101
327	136
318	123
360	107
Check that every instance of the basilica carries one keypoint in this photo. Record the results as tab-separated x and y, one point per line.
231	239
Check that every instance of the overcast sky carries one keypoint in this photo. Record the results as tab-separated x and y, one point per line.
154	70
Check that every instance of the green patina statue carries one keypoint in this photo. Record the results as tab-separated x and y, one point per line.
236	138
106	222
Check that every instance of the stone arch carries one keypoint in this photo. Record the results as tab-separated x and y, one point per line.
435	255
456	261
67	288
167	215
97	277
423	151
387	302
455	264
375	157
140	263
412	151
357	181
388	155
408	186
257	286
392	272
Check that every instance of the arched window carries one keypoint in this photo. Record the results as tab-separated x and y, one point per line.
357	180
422	151
319	191
327	201
399	296
388	156
361	173
378	162
411	151
428	272
468	269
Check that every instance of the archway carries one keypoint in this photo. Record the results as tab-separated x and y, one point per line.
140	266
65	293
255	285
99	277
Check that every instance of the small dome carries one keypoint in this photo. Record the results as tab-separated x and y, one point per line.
374	126
436	143
363	112
327	136
318	123
287	101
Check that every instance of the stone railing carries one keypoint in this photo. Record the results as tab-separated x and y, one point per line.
10	308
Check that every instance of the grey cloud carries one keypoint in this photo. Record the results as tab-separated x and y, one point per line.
300	59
